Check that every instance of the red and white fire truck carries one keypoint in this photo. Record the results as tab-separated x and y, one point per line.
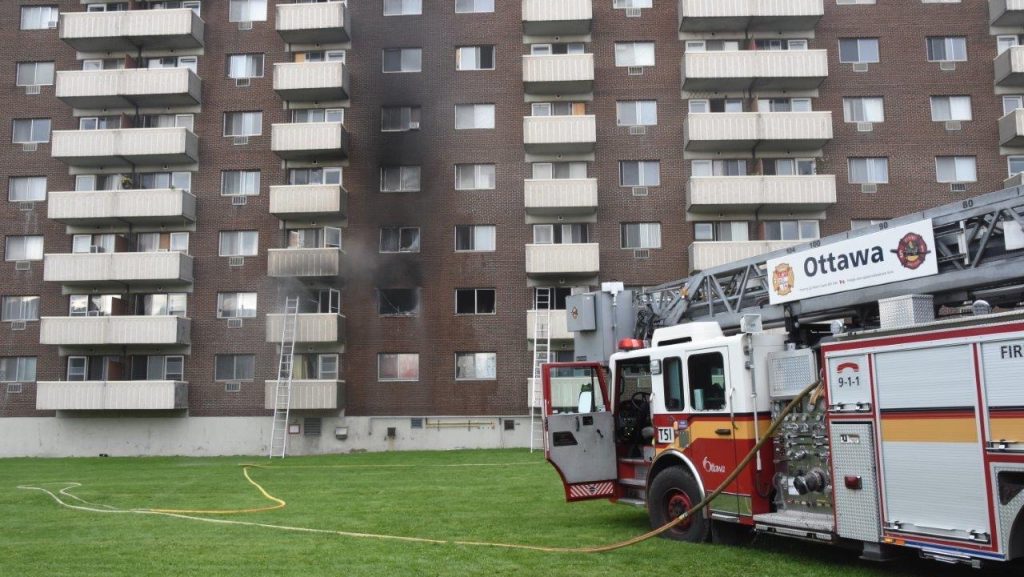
916	438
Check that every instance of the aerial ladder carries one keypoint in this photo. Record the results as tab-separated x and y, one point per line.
283	392
541	355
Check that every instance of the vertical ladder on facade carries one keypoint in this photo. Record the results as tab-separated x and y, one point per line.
541	355
283	394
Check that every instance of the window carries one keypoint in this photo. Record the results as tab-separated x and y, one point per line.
1006	41
475	301
636	113
167	121
858	50
243	123
326	237
474	116
305	115
236	305
157	368
155	180
1015	164
39	17
560	233
474	177
157	242
26	188
672	383
557	48
956	169
474	58
239	182
471	6
245	66
475	366
403	59
639	173
399	118
869	170
399	178
95	305
239	242
190	62
718	168
195	5
20	308
399	239
784	105
791	230
780	44
99	122
475	237
864	109
234	367
698	106
641	235
947	49
789	167
325	175
24	248
247	10
398	366
706	374
17	369
722	231
951	108
558	108
403	7
634	53
28	130
712	45
559	170
320	56
35	74
398	302
1013	102
157	305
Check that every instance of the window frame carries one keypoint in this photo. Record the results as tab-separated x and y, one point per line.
398	368
475	356
476	302
473	232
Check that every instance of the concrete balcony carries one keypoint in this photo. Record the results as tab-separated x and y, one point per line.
126	146
563	259
304	262
558	74
309	395
146	87
309	140
309	328
1006	12
743	70
561	196
319	23
759	15
557	18
115	330
768	131
129	31
1009	67
559	134
111	395
116	269
311	81
1015	180
1011	129
158	206
749	194
704	255
557	322
308	201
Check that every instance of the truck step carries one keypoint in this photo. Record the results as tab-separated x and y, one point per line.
817	526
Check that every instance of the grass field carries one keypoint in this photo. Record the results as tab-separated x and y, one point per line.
502	496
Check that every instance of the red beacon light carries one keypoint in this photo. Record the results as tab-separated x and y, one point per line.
630	344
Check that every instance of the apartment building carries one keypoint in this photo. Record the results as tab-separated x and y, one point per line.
431	179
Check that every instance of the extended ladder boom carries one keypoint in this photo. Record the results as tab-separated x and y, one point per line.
283	392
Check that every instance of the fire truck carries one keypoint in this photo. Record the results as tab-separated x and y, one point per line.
914	439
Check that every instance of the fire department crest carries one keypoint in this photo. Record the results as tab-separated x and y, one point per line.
783	279
912	250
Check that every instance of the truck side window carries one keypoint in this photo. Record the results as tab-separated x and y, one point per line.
673	382
707	381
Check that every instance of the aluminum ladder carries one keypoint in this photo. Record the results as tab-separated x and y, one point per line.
283	394
541	355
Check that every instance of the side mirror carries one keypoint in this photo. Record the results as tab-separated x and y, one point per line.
586	402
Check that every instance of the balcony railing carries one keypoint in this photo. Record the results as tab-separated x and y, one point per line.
126	146
309	394
564	17
556	324
129	31
743	70
308	201
736	131
111	395
1006	12
740	15
704	255
127	88
571	259
304	262
561	196
311	81
558	74
1009	67
104	207
746	194
315	23
1011	128
310	140
309	328
559	134
115	330
118	269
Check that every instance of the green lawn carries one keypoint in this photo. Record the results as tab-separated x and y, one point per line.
514	497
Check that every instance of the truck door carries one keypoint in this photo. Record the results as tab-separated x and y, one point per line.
579	429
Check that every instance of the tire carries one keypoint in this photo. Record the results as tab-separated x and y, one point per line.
672	492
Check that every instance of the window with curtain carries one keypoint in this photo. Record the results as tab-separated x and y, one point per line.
474	177
243	123
641	235
402	60
858	50
474	116
951	108
399	178
947	49
24	248
475	237
869	170
398	366
864	109
238	242
474	58
639	173
240	182
26	188
20	308
236	305
245	66
636	113
634	54
247	10
956	169
475	366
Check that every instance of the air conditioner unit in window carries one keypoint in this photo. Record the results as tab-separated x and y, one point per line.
865	127
633	13
245	25
92	313
30	146
14	388
860	66
51	24
642	253
26	206
33	89
869	187
414	125
957	187
953	125
239	201
240	140
640	191
947	66
232	387
635	70
236	260
18	325
242	82
23	265
234	323
638	130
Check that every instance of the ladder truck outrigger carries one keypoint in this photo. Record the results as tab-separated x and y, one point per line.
914	439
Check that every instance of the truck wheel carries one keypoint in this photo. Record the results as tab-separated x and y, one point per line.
673	492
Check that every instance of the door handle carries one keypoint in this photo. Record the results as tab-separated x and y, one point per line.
723	432
577	424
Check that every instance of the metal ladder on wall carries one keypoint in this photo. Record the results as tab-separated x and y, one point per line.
283	394
541	355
